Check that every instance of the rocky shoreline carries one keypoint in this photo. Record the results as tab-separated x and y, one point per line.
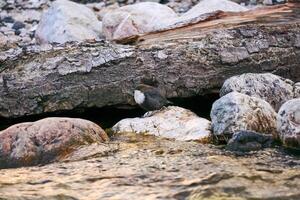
62	57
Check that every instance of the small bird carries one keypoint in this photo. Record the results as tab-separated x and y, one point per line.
149	98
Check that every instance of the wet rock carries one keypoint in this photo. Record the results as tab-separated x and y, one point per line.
68	21
46	140
271	88
239	112
288	123
245	141
136	19
170	122
18	25
8	19
208	6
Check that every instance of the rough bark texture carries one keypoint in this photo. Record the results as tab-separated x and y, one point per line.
188	61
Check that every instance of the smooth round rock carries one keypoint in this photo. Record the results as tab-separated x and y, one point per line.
46	140
239	112
288	123
136	19
269	87
67	21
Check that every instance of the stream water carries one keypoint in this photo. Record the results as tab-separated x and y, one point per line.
145	167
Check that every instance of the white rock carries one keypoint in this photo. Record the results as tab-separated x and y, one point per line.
170	122
136	19
68	21
269	87
288	123
209	6
239	112
297	90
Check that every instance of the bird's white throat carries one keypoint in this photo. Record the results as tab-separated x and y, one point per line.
139	97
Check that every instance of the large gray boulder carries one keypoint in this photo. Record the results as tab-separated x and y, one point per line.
68	21
136	19
46	140
269	87
288	123
170	122
239	112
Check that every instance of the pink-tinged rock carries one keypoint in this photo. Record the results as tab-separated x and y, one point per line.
46	140
136	19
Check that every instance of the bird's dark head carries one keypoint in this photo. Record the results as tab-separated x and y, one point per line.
143	87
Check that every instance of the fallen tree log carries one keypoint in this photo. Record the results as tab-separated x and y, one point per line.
185	61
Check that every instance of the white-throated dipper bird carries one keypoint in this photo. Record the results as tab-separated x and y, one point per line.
149	98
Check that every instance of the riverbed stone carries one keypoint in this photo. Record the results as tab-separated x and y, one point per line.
169	122
46	140
209	6
136	19
288	123
244	141
269	87
239	112
67	21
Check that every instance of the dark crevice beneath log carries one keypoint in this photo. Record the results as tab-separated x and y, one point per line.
107	116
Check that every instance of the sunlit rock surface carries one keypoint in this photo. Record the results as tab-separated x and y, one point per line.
68	21
136	19
156	168
269	87
170	122
288	123
237	112
46	140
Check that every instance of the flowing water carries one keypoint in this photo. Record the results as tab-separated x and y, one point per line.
145	167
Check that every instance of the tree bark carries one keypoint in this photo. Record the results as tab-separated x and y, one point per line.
187	60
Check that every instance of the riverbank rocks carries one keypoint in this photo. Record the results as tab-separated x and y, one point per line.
209	6
68	21
244	141
170	122
239	112
269	87
136	19
288	123
46	140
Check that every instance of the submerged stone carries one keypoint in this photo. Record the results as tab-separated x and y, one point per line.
169	122
245	141
46	140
